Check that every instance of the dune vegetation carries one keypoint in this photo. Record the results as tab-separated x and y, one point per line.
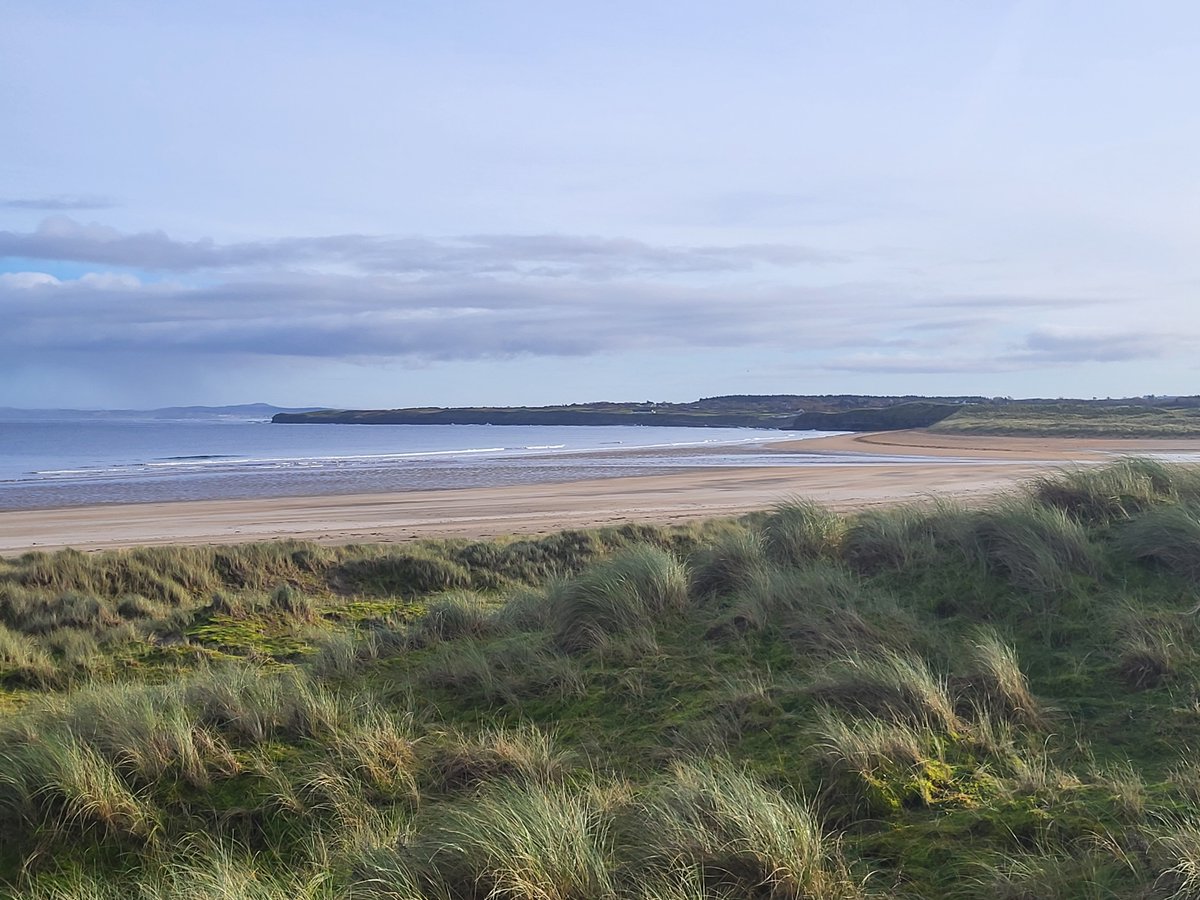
1075	418
920	701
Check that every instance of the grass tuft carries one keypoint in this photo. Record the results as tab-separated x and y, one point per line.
820	609
24	662
893	687
1178	843
1036	548
719	819
1168	536
1117	491
797	532
524	754
993	679
631	591
727	565
520	841
65	787
459	614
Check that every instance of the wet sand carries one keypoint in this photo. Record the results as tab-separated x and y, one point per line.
967	467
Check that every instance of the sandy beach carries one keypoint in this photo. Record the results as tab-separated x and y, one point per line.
967	467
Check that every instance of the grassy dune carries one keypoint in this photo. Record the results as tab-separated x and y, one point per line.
925	701
1073	419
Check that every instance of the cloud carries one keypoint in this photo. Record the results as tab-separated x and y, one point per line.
1064	345
378	316
443	317
1044	347
365	298
26	280
60	203
63	239
929	362
1005	302
107	281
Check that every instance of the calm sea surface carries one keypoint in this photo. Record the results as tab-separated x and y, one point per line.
67	463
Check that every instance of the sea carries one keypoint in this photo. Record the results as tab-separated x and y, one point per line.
47	464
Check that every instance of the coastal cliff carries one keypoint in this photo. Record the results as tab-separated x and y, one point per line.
843	412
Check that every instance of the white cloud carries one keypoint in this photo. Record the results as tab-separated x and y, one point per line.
109	281
470	316
27	280
59	202
1070	344
61	238
360	298
97	281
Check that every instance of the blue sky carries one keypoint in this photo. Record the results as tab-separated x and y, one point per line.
390	204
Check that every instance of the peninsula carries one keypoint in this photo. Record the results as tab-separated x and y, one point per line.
1151	416
783	411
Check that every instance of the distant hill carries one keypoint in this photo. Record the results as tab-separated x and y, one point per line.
782	411
916	414
240	412
1150	415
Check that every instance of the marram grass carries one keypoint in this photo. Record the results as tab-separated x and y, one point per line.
916	702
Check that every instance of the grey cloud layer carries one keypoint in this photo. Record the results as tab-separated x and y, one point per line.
60	238
377	316
60	203
1058	346
1039	348
477	296
339	316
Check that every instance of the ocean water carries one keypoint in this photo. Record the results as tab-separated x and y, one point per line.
68	463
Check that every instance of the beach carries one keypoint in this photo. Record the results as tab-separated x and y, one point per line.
962	467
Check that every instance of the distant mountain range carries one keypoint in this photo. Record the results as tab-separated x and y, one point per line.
244	412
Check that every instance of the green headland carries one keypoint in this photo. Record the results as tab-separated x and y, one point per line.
1128	417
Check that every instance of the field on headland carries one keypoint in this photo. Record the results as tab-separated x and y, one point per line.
923	700
1073	419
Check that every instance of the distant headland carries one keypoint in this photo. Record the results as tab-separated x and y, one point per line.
1174	416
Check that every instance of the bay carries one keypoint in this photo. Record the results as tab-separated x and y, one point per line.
67	463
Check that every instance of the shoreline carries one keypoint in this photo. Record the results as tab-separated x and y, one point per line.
1030	448
966	467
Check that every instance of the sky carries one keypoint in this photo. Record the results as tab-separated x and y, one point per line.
386	204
